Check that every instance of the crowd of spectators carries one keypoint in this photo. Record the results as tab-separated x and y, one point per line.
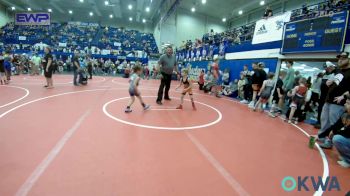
328	7
120	38
295	96
67	37
238	35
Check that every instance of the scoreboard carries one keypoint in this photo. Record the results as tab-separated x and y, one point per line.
323	34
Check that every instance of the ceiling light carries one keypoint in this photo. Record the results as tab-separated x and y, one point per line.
130	7
70	12
204	1
147	9
81	1
193	9
49	10
111	16
240	12
224	20
29	9
262	2
91	14
106	3
143	20
130	18
13	8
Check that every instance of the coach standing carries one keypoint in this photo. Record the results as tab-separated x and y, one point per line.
167	65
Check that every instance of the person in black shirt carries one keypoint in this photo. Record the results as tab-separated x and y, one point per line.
338	89
48	68
89	66
2	70
268	12
76	67
278	95
257	80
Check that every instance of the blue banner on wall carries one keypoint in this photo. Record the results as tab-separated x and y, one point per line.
30	18
323	34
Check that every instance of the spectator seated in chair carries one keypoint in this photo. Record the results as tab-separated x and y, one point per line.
231	89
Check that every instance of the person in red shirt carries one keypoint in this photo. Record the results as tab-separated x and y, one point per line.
298	98
216	73
201	80
215	68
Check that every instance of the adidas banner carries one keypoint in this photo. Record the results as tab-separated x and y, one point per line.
271	29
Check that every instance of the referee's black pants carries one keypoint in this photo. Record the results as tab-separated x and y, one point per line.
165	82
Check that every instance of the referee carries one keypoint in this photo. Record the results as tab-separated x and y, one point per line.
167	64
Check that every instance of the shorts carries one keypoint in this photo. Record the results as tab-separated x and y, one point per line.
256	87
189	91
297	101
265	96
48	74
133	93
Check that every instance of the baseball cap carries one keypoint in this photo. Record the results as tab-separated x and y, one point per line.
329	64
343	54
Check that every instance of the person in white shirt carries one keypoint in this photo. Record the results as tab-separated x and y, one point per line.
226	77
35	64
316	89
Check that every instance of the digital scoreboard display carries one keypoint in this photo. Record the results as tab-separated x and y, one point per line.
323	34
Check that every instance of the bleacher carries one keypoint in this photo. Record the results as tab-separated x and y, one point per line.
119	38
67	37
239	39
320	9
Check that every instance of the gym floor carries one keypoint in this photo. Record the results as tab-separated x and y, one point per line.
78	141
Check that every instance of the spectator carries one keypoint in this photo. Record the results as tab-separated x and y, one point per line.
89	63
327	134
265	92
201	80
241	83
226	77
248	85
298	95
341	140
338	89
288	82
216	74
2	71
329	74
268	13
231	88
76	68
7	64
316	89
257	80
48	67
297	77
304	11
278	96
237	40
35	64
